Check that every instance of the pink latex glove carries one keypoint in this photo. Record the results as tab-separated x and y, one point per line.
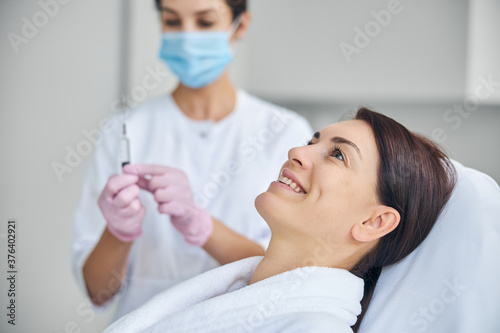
120	204
172	192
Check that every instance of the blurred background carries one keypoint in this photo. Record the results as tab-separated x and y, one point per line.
67	66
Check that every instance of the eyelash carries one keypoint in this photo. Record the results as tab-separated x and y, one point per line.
335	150
339	150
205	24
174	23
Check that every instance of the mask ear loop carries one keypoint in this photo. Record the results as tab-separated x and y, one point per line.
236	24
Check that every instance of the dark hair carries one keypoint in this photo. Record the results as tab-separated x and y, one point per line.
237	6
416	178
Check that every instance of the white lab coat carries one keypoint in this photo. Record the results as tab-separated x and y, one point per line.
228	164
308	299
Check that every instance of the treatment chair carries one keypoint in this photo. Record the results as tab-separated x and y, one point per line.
451	282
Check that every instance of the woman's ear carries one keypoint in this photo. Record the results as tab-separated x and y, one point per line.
383	220
241	31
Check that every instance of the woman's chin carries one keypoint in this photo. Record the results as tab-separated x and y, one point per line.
266	204
260	201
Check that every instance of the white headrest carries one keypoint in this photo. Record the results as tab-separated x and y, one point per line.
451	282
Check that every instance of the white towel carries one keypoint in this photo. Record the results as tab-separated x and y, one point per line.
312	299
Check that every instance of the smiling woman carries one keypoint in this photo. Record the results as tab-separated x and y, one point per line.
363	194
332	174
375	188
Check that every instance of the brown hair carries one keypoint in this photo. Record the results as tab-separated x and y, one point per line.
416	178
237	6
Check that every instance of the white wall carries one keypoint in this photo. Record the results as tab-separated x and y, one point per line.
483	46
61	82
295	50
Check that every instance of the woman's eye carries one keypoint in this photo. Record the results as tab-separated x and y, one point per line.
172	23
205	24
337	153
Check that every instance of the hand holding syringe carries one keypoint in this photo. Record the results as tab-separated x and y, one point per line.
119	201
124	212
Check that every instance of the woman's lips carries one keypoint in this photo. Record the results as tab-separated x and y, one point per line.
289	179
287	187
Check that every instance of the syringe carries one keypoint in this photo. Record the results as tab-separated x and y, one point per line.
124	148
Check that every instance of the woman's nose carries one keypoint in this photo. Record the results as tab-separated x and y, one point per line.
298	156
188	26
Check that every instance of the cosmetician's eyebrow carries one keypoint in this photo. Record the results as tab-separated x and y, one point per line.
205	11
201	12
168	10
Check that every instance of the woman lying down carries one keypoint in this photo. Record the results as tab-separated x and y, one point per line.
363	194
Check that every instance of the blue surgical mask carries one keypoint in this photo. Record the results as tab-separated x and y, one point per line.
197	58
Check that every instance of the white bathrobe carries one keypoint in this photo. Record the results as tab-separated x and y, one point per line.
309	299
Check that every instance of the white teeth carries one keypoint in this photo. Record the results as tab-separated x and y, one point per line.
289	182
285	180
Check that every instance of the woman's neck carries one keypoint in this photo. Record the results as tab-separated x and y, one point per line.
215	101
280	257
284	255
